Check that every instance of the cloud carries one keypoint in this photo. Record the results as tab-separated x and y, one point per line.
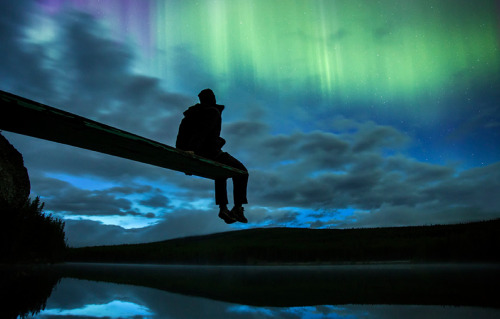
351	170
380	190
65	198
82	70
156	201
21	64
104	87
374	137
180	223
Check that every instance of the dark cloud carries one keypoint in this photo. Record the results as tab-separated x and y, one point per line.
156	201
103	86
91	75
51	157
330	173
376	137
67	199
174	225
99	65
21	65
351	170
476	187
64	197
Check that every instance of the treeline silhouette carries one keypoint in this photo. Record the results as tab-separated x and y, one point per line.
471	242
30	235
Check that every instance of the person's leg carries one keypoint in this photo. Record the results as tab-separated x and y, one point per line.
221	200
239	182
221	192
239	186
240	190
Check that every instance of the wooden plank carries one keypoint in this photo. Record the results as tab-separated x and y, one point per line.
23	116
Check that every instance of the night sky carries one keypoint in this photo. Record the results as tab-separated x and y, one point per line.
347	113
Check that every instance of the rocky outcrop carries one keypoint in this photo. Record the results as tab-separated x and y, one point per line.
14	179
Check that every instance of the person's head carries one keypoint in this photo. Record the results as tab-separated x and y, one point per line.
207	96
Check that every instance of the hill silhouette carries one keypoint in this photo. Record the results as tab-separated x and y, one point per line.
471	242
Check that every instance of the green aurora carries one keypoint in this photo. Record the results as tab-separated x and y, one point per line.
344	50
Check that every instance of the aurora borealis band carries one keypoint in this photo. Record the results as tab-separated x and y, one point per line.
347	113
344	50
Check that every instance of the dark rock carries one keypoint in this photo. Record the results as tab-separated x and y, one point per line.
14	179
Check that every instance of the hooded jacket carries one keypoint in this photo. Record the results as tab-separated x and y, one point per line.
200	129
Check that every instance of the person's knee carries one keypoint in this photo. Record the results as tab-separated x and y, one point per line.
242	167
230	160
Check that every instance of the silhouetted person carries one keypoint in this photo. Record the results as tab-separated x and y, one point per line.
199	133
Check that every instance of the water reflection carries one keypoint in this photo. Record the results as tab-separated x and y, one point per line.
113	309
148	291
81	298
24	291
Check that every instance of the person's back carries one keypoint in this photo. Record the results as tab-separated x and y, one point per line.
199	132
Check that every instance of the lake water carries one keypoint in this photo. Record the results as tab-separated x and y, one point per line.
159	291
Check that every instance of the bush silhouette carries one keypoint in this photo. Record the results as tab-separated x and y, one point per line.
30	235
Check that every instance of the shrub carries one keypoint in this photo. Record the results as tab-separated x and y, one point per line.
30	235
